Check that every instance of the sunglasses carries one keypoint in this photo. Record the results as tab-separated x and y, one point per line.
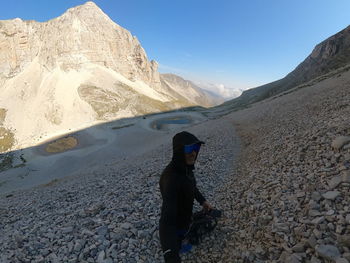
192	147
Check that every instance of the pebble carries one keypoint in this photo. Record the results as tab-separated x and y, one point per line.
331	195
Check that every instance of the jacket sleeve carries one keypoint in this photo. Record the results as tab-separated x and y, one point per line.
198	196
167	223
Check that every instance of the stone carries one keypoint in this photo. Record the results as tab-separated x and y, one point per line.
102	230
315	260
316	196
318	220
331	226
317	233
67	230
341	260
334	182
345	177
87	232
117	234
53	257
300	194
347	157
142	234
330	212
294	258
344	240
331	195
314	213
126	226
299	247
340	141
79	244
347	219
329	252
281	227
101	257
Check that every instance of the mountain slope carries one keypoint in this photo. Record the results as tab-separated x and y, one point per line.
182	88
71	72
329	55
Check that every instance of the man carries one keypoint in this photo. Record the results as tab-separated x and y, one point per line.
178	189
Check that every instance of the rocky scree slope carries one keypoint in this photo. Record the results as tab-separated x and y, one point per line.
290	197
111	213
285	200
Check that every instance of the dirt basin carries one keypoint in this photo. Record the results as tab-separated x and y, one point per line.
62	145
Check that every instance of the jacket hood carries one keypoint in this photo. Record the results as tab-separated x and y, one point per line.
179	141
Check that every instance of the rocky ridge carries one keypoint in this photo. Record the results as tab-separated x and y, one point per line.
189	90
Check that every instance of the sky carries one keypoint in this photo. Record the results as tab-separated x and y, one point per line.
240	44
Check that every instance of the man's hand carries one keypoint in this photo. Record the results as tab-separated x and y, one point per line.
206	206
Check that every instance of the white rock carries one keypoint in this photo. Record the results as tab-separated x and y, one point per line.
331	195
340	141
328	252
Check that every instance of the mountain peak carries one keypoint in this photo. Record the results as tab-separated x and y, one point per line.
87	9
90	5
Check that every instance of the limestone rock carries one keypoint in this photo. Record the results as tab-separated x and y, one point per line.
328	252
331	195
340	141
334	182
82	34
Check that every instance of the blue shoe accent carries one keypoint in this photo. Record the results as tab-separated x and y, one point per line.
186	248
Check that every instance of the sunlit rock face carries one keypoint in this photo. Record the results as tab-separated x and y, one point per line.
83	34
189	91
72	72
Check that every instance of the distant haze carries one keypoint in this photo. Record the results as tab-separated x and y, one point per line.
221	90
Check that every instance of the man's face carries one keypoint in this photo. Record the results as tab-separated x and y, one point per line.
190	157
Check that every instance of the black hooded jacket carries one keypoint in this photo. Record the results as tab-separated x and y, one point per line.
178	189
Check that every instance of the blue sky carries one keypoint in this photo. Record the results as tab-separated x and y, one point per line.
241	44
